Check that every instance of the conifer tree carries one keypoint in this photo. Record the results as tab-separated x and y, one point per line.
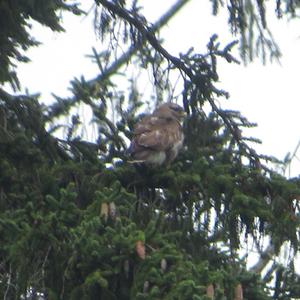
77	221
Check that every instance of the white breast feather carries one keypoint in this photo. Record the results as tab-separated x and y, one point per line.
178	145
157	133
157	158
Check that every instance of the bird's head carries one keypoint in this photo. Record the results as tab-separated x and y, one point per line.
170	111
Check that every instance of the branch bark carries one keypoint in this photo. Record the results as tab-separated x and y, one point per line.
112	69
265	257
147	34
163	20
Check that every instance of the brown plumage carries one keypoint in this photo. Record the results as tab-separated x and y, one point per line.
157	138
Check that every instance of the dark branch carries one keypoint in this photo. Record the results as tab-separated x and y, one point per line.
148	34
114	67
132	50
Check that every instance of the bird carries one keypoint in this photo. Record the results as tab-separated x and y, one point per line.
158	137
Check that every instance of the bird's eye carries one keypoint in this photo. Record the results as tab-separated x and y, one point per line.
176	108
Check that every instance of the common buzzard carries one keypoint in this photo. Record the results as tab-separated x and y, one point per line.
157	138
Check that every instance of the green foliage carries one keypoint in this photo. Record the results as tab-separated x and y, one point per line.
55	239
15	22
249	19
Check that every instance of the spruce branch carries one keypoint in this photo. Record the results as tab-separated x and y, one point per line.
162	21
265	257
147	34
186	70
123	59
25	107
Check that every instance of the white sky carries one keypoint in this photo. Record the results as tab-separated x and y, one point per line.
268	95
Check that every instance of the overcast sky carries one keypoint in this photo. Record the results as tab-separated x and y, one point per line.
268	95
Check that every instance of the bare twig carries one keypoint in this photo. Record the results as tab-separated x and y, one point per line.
43	266
8	284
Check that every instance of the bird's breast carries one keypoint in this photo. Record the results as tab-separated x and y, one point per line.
178	142
157	158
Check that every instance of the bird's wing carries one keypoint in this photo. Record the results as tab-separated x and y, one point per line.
148	123
156	133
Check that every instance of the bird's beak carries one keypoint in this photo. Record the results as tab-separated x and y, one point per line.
183	114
